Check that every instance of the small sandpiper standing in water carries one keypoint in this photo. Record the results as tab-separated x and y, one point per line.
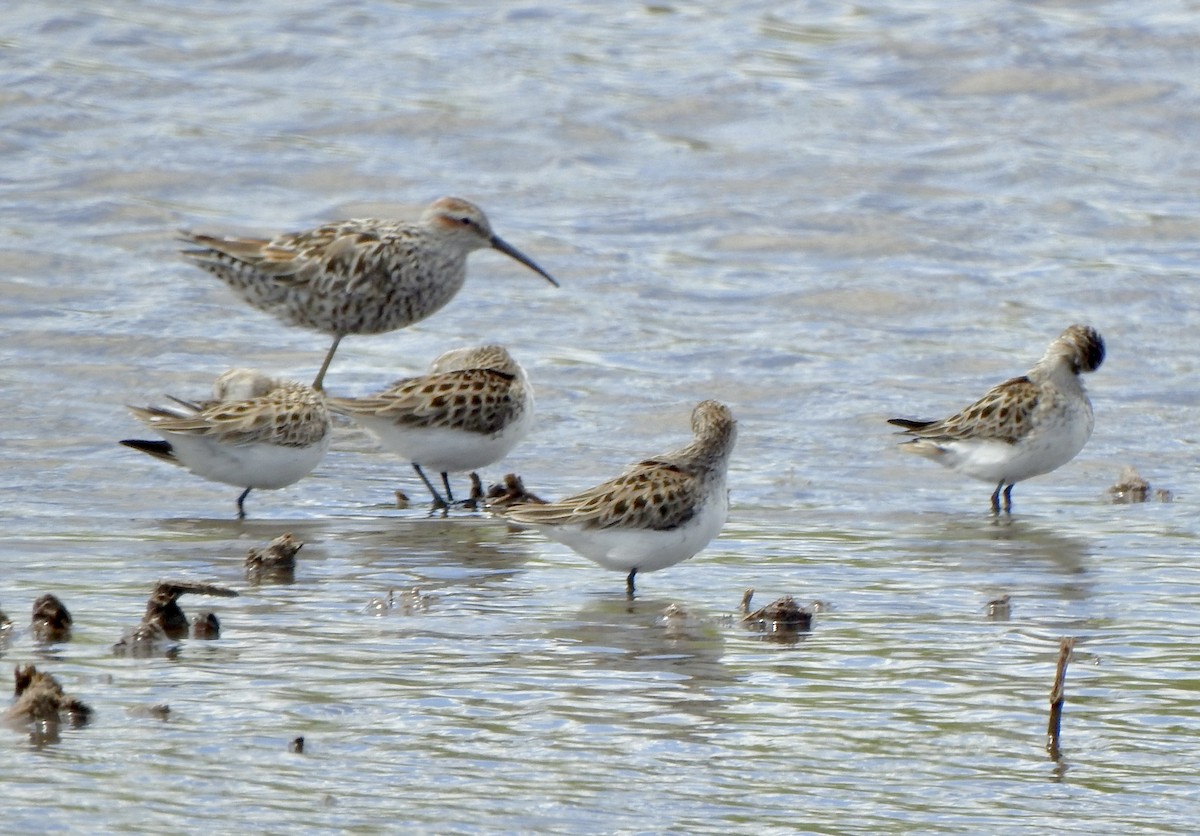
1024	427
364	276
468	412
657	513
257	432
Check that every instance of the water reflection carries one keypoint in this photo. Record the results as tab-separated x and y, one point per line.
251	530
462	549
1010	543
649	634
650	659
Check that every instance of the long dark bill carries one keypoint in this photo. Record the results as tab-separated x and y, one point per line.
512	252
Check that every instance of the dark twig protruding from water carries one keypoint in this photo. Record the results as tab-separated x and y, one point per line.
1058	697
297	745
475	501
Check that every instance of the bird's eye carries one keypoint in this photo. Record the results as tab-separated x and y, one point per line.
465	221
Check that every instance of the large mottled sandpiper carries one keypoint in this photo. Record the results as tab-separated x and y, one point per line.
1024	427
657	513
364	276
256	432
469	411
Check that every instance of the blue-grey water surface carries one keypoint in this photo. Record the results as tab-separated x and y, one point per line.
821	213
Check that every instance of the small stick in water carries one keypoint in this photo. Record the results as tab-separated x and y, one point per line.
1058	696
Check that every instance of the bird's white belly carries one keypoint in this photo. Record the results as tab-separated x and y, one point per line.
247	466
1045	449
446	450
646	550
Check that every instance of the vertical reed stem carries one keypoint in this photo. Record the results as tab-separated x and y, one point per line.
1057	697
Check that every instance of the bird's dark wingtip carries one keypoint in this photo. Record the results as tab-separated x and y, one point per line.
909	423
158	449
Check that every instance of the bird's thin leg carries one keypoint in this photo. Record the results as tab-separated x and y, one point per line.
629	582
438	502
1008	499
240	504
449	493
319	383
996	500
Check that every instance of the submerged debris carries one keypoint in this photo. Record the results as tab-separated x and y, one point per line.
40	699
1132	488
164	620
412	601
675	612
147	639
408	602
510	492
1000	608
675	617
206	625
51	621
380	606
781	620
275	562
161	711
677	622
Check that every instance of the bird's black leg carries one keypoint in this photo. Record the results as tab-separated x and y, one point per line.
629	582
449	493
319	383
1008	499
996	500
438	502
241	505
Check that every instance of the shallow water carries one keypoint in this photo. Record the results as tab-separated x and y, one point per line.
822	214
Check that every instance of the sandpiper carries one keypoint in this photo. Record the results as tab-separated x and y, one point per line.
469	411
657	513
1024	427
256	432
364	276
